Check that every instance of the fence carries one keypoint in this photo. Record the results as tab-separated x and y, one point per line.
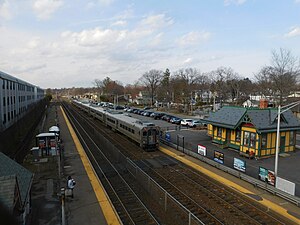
257	183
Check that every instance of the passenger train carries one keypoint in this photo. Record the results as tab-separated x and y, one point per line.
145	134
15	98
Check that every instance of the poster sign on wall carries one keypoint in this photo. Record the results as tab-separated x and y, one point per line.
219	157
168	137
202	150
266	175
239	164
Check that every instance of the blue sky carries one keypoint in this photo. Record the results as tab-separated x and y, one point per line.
64	43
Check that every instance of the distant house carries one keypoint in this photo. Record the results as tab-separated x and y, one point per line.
250	103
143	98
252	131
15	188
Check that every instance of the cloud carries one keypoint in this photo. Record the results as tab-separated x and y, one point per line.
295	31
45	8
94	37
120	23
105	2
194	37
235	2
156	21
297	1
5	10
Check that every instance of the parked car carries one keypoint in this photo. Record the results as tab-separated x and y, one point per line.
175	120
186	122
146	113
157	115
196	123
166	117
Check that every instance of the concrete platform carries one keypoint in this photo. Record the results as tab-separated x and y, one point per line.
280	206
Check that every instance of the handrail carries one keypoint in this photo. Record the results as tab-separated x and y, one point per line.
257	183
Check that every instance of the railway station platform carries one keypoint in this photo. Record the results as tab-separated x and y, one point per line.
272	202
89	204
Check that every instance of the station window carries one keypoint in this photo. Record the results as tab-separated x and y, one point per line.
219	132
246	138
4	118
249	139
264	141
238	136
8	116
7	100
292	138
4	101
3	84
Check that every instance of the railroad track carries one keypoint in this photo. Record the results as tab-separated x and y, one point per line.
211	202
129	206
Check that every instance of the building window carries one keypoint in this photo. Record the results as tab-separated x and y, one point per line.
249	139
292	138
264	141
4	118
219	132
252	140
246	138
3	101
238	136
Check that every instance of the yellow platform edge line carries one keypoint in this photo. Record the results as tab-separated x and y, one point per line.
105	204
276	208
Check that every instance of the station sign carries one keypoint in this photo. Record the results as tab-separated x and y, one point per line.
266	175
239	164
201	150
219	157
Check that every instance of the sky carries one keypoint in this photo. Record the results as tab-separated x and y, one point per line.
70	43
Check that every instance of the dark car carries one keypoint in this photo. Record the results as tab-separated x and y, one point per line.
141	112
146	113
175	120
166	118
157	115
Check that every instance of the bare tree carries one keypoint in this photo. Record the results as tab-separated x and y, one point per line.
99	85
151	80
220	82
283	73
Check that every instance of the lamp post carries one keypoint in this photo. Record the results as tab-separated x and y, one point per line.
284	109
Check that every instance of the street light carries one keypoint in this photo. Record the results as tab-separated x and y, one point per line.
286	108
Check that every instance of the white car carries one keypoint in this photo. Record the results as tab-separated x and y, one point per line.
186	122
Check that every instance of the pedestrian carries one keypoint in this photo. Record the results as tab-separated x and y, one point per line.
71	184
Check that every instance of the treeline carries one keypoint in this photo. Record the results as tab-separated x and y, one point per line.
278	80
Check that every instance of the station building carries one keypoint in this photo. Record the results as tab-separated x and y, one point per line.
252	131
16	96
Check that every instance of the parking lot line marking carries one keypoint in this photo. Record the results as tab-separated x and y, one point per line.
276	208
107	209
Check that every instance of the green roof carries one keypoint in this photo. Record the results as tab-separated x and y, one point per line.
9	167
264	120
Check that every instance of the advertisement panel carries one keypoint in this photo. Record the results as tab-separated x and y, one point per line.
285	185
266	175
239	164
168	137
201	150
219	157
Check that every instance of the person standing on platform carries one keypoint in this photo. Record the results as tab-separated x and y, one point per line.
71	184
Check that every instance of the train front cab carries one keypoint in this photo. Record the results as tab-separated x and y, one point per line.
150	138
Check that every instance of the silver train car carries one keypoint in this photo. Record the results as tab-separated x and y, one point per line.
145	134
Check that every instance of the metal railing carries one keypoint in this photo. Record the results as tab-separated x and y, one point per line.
255	182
